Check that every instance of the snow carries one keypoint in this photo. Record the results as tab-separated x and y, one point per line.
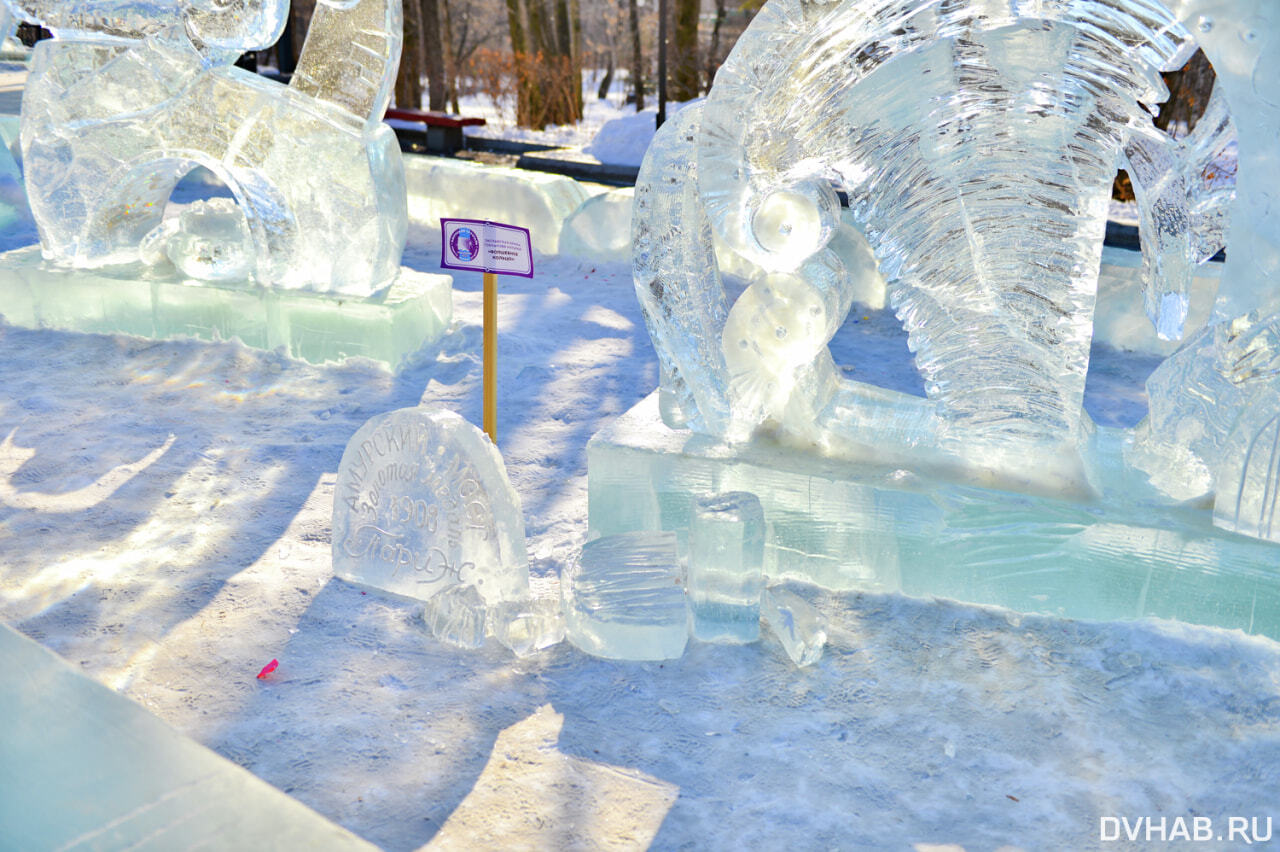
165	526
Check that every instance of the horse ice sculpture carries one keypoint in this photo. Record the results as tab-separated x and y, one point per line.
976	141
131	95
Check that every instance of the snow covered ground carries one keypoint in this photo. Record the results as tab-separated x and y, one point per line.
164	525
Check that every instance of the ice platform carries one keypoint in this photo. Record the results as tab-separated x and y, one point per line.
388	327
84	768
846	526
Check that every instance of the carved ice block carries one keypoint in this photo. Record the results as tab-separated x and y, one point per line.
726	567
624	598
422	504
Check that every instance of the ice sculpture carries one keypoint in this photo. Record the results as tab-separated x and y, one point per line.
423	505
976	146
974	143
132	94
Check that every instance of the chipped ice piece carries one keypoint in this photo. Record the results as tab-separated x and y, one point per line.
726	567
624	598
423	503
797	624
456	616
528	626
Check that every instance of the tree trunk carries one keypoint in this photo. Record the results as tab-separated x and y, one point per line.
520	50
637	58
713	52
607	82
433	50
686	71
1189	91
409	79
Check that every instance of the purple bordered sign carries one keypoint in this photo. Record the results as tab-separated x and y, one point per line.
485	247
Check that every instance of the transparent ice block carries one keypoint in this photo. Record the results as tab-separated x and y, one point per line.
799	626
624	598
726	567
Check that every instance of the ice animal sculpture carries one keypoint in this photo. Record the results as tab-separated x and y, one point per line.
975	142
131	95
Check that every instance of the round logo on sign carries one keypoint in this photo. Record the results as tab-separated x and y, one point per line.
464	244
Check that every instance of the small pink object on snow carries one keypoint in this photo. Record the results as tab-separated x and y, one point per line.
268	669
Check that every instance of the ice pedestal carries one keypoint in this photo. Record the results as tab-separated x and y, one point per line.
389	327
84	768
847	526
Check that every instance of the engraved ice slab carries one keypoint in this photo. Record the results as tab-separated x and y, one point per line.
422	505
130	96
624	598
133	782
389	327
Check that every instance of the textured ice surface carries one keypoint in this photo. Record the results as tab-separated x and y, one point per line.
136	783
799	626
131	95
457	616
624	598
423	504
726	567
389	326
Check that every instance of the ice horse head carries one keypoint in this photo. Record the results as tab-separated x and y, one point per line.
130	95
976	142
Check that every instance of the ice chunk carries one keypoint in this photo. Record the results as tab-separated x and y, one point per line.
798	625
624	598
422	504
528	626
726	567
130	96
209	241
456	616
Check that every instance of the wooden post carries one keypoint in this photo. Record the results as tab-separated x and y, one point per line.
491	356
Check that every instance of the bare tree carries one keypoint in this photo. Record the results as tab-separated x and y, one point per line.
686	70
434	51
637	58
408	92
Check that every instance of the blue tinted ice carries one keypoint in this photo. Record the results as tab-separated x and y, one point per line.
726	567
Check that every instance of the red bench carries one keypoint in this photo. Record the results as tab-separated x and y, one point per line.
443	131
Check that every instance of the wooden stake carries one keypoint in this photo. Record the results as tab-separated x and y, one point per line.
491	356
